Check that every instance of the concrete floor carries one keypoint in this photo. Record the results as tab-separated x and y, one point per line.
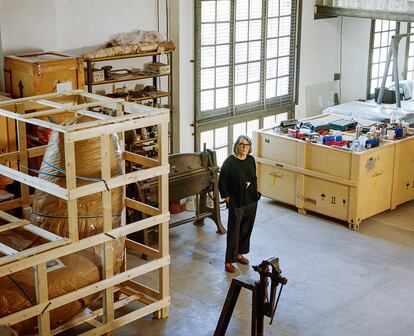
341	282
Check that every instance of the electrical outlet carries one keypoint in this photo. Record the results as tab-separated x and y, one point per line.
337	76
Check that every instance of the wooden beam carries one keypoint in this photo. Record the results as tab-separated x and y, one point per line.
107	248
142	207
13	225
34	182
141	248
42	296
6	250
72	204
21	256
37	122
118	181
125	319
44	96
115	125
42	233
143	289
140	159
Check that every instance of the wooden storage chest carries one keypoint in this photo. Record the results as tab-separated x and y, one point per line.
340	184
403	186
38	73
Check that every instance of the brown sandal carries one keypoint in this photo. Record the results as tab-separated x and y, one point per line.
242	260
229	267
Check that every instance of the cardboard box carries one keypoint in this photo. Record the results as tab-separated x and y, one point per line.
161	68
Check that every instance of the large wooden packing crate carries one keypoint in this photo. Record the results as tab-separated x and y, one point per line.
340	184
116	290
39	73
403	184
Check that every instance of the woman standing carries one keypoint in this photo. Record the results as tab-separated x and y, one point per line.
238	186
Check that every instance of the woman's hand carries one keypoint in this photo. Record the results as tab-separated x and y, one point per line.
227	199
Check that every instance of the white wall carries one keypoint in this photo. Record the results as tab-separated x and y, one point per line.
80	26
320	56
182	32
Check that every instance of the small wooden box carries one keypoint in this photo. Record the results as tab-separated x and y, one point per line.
161	68
39	73
98	76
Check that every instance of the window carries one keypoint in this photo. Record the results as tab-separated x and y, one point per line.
381	33
245	56
245	68
410	55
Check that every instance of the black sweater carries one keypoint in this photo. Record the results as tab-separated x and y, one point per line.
238	180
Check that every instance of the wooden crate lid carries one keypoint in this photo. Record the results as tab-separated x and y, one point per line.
40	57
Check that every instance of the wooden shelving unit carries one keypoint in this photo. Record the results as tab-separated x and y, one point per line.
134	75
116	289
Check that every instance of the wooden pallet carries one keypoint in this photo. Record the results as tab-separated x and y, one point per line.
117	290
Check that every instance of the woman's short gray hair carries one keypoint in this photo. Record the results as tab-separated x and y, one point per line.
239	140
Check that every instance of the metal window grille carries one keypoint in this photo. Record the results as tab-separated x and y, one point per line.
381	33
246	70
245	56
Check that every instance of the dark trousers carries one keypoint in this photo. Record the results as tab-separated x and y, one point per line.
239	230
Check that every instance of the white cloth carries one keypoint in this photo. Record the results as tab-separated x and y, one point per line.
371	110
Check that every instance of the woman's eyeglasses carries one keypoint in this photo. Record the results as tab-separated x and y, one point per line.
244	145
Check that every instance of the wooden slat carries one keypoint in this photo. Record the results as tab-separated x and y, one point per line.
44	96
107	248
34	182
23	160
143	289
60	110
118	181
140	159
125	319
141	248
42	233
6	250
30	261
13	225
37	122
42	296
163	232
101	127
142	207
72	204
32	252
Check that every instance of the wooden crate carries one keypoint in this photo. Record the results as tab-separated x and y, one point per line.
39	73
403	184
340	184
275	181
116	290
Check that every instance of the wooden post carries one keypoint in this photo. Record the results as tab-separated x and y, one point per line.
163	235
70	167
42	296
24	162
107	249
